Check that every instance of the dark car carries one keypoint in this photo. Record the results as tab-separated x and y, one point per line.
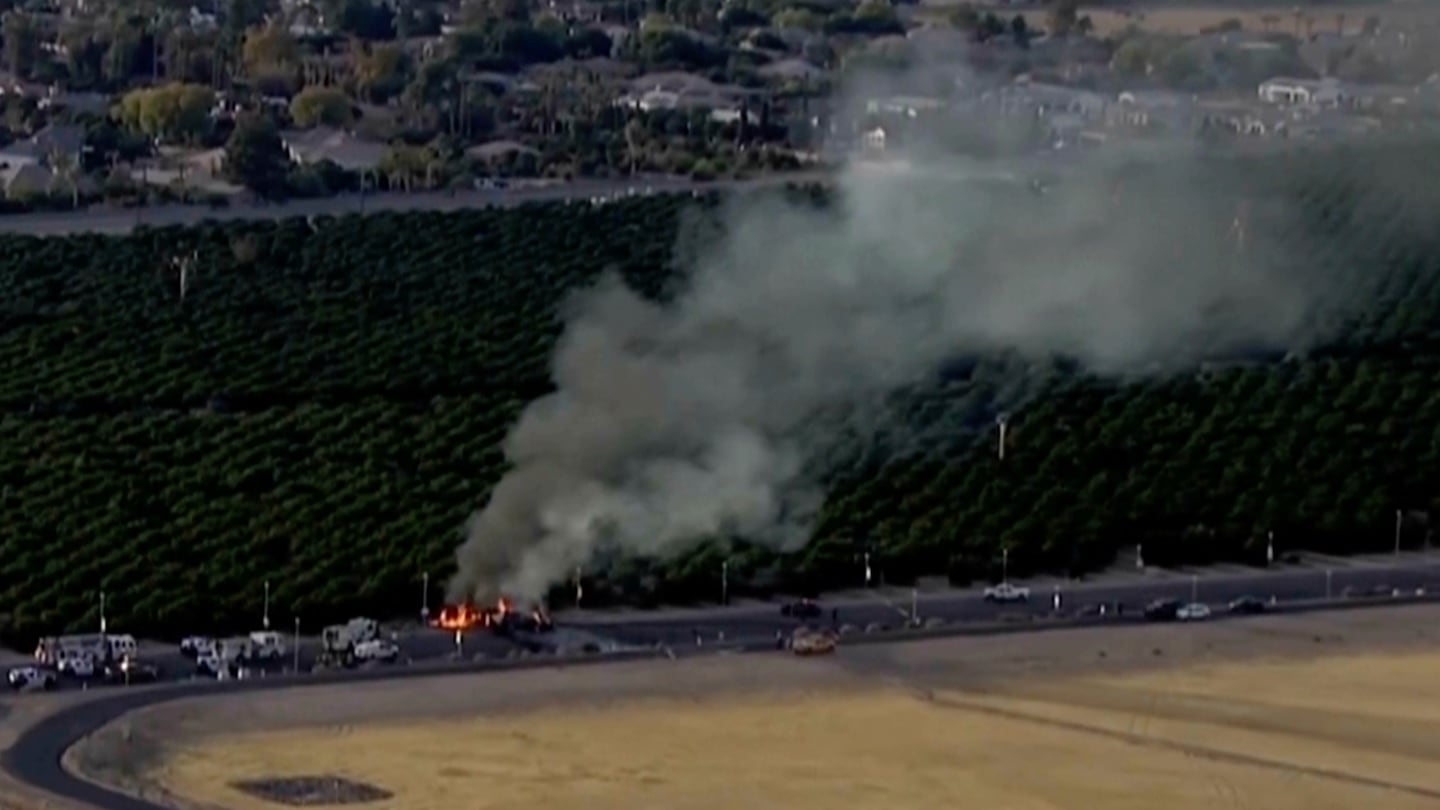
131	672
1162	610
803	609
1247	605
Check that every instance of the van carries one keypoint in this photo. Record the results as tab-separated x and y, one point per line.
122	647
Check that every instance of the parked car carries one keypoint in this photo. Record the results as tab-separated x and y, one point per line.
1005	592
1193	612
129	671
1162	610
378	649
196	646
27	679
1247	605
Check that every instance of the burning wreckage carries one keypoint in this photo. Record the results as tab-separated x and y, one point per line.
502	619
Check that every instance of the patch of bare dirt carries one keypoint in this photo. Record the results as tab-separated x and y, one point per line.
312	791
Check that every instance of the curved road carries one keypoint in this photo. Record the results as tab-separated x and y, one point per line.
36	757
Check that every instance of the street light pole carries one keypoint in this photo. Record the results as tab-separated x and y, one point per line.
1398	518
1000	422
297	644
102	613
265	619
425	597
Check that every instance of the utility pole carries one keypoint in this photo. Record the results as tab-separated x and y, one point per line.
265	619
424	597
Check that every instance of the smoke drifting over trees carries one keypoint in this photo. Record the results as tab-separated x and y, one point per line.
696	418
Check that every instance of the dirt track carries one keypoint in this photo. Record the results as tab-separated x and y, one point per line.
1323	710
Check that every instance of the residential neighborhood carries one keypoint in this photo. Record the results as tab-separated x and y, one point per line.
129	103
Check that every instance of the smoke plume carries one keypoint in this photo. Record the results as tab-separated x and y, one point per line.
675	422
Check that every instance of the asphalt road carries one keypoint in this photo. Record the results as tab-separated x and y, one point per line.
756	623
36	757
759	624
104	219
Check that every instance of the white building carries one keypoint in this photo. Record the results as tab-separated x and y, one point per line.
1327	92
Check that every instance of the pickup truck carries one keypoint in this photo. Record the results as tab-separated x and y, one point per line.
1005	592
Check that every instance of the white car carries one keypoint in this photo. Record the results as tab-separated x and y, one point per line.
1005	592
31	678
377	650
196	646
1193	612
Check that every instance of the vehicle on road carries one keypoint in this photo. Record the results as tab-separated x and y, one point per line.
802	609
379	649
30	679
76	663
50	650
129	671
1005	592
1247	605
810	642
119	647
1193	612
340	639
1162	610
265	647
195	646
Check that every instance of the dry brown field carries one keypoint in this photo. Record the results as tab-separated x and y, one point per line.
1337	710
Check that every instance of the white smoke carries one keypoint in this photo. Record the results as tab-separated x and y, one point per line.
672	423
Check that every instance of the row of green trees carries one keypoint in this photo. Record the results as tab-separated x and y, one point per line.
325	405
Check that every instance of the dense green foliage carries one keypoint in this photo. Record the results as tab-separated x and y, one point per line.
325	407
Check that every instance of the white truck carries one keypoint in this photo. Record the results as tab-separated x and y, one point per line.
1006	593
50	650
266	647
340	639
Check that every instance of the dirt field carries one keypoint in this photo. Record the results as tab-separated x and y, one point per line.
1277	17
1322	711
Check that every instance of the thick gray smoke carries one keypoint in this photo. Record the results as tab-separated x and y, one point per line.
673	423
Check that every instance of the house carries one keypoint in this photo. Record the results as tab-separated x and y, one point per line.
493	151
25	180
794	70
46	146
1153	109
686	91
56	99
322	144
904	106
1309	92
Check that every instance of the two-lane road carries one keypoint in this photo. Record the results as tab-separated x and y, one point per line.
105	219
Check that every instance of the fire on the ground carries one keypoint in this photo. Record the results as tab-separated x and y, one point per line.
501	617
